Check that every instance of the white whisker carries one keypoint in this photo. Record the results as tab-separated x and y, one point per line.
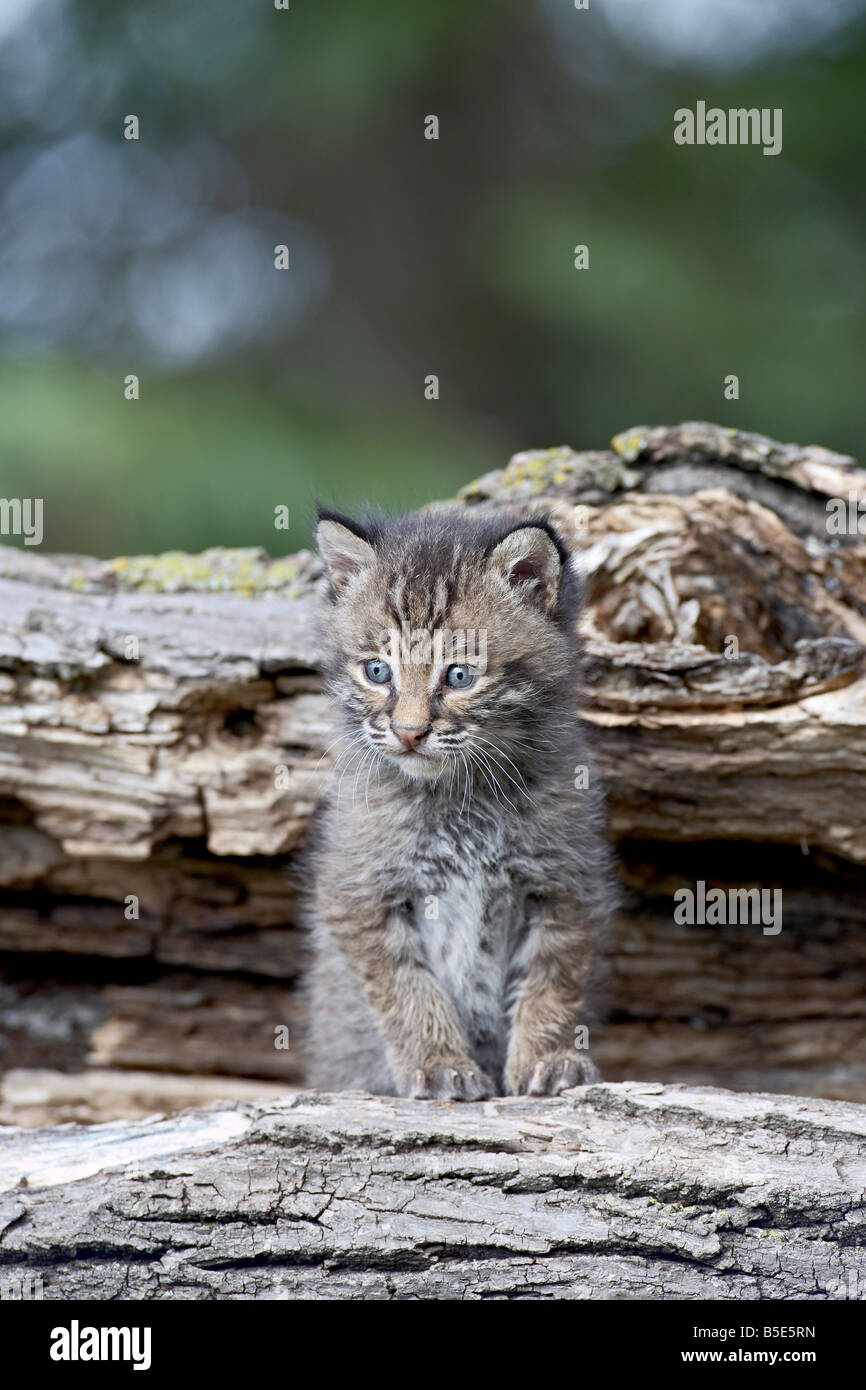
358	753
339	739
467	785
485	773
369	755
498	790
500	751
521	785
376	763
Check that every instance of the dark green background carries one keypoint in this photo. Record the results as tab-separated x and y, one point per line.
452	257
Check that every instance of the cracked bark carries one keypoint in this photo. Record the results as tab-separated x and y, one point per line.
611	1191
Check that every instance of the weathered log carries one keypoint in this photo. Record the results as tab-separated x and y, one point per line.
37	1097
151	700
612	1192
164	736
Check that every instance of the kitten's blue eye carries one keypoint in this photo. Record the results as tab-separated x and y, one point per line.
379	672
459	677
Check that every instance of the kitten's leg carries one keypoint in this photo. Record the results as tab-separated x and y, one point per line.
427	1050
344	1048
542	1056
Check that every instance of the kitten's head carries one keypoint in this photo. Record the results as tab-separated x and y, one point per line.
451	641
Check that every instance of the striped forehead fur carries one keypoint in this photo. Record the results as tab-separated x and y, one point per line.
428	557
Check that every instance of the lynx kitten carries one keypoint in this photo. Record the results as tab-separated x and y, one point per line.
461	875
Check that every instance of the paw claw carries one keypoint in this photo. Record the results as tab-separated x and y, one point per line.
559	1072
537	1081
417	1081
444	1081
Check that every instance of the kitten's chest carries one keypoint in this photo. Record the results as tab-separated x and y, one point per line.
469	921
466	929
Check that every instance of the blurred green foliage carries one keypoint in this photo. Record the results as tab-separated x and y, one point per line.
452	257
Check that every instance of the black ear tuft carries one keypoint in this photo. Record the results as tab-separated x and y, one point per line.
539	523
356	527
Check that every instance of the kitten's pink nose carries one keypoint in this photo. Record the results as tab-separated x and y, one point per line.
410	737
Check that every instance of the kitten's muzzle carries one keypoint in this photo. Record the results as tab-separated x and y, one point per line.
410	735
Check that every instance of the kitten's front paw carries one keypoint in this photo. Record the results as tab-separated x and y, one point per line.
554	1073
450	1079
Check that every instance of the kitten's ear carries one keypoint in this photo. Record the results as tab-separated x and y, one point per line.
344	550
530	561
